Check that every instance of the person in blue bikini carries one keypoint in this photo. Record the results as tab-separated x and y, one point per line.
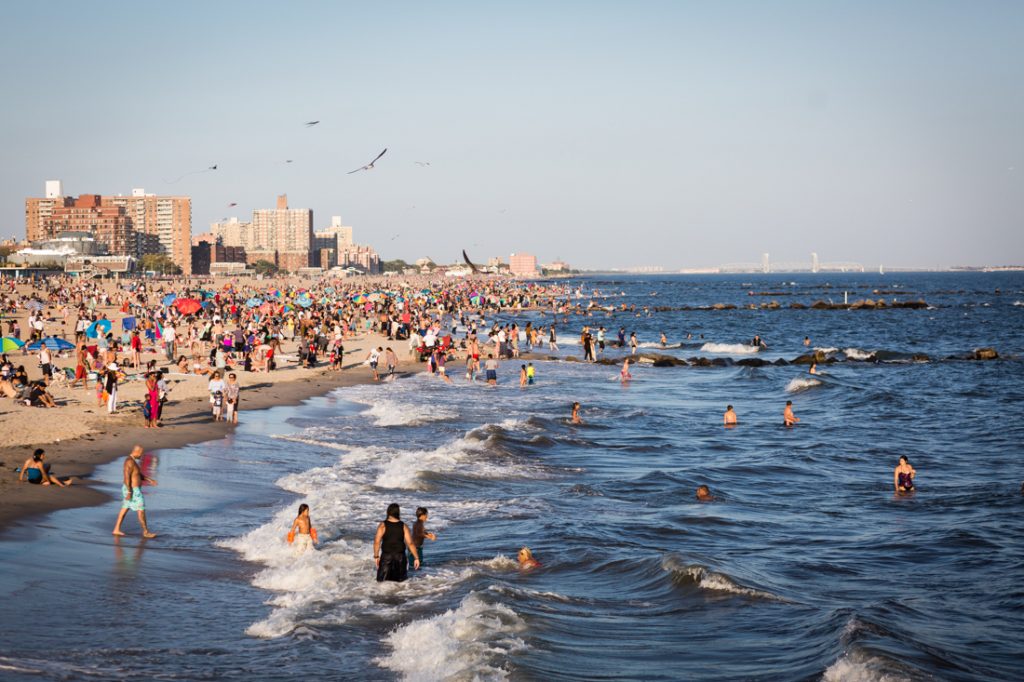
35	470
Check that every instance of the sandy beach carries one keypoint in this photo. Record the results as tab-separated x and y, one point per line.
79	435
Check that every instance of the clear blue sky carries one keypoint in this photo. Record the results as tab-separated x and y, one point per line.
608	133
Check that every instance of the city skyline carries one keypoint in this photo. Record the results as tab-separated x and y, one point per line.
684	135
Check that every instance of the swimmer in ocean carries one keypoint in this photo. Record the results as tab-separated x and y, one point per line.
575	419
813	369
807	340
903	476
624	374
664	340
526	560
788	418
704	494
730	416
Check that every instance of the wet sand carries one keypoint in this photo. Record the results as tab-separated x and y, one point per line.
187	421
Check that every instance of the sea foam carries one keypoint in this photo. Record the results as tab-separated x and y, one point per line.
801	384
730	348
472	642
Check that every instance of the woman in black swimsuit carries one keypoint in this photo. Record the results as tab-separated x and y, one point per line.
389	547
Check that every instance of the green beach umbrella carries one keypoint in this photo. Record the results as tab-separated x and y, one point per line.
10	344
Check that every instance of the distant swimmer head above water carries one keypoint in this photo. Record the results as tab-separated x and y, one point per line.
704	494
526	560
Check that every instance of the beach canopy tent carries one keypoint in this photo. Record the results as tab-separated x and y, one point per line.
34	305
94	329
52	343
187	306
9	344
168	299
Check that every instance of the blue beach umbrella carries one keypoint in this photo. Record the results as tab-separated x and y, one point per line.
53	343
103	325
9	344
168	299
254	302
304	302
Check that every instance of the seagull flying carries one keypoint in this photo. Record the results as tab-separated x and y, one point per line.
232	204
422	163
369	166
310	124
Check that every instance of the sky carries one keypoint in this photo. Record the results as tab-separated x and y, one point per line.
608	134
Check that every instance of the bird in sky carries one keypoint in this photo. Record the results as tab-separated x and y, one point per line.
310	124
287	160
422	163
369	166
233	204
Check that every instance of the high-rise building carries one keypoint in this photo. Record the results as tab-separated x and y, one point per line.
164	222
286	231
233	233
766	265
523	264
108	224
815	267
168	218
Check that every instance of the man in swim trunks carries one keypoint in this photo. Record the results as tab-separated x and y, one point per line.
491	370
730	416
788	418
131	490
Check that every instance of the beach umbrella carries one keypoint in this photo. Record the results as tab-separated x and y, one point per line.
34	305
304	302
10	344
52	343
128	324
94	329
254	302
267	308
187	306
168	299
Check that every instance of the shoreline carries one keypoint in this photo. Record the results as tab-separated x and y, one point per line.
189	422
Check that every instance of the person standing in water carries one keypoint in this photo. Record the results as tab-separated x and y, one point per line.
389	545
420	532
903	476
730	416
302	536
575	419
788	418
131	489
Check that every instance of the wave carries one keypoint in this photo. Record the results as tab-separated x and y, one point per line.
1018	303
859	666
657	344
801	384
395	413
473	641
858	354
701	576
730	348
827	350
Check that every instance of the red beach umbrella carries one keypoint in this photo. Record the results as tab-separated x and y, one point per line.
187	306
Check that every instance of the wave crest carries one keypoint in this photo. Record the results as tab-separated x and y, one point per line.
730	348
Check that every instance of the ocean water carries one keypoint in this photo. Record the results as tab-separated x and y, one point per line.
805	567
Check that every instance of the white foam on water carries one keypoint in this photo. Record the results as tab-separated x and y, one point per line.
387	412
328	585
828	350
1018	303
730	348
472	642
710	580
657	344
801	384
856	666
858	354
